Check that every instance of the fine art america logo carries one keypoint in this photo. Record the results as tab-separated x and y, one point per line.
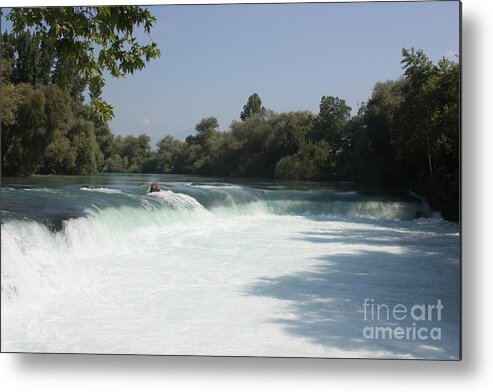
414	322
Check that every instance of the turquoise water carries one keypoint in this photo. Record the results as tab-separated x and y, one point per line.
220	267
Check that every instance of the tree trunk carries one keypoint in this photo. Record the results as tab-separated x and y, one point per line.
430	166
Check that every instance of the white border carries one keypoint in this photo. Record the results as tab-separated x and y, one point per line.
94	373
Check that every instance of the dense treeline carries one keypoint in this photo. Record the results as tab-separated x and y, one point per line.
46	126
406	135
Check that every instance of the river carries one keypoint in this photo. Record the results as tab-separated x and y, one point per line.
211	266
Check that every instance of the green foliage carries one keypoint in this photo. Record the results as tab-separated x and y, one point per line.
250	138
252	107
204	147
42	134
28	58
332	119
127	154
206	129
69	36
172	156
331	126
405	136
311	162
60	157
116	164
102	110
41	114
370	154
11	98
427	140
83	141
7	57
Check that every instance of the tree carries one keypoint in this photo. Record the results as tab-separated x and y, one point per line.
172	155
289	130
131	150
427	140
11	100
370	154
203	148
309	163
83	140
252	107
330	126
41	115
27	59
60	157
332	118
250	139
206	128
7	57
283	134
116	164
74	32
104	137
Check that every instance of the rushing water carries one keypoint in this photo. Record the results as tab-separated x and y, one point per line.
217	267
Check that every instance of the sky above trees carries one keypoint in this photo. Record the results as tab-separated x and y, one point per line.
214	57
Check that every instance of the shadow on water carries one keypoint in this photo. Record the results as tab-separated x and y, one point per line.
420	242
326	302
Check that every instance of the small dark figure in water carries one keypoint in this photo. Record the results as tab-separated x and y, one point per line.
155	187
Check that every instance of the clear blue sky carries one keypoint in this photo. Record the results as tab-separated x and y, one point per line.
215	56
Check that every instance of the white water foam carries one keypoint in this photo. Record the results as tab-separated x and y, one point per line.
175	278
205	186
102	190
177	200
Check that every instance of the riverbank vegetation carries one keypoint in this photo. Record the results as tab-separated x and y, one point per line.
406	135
